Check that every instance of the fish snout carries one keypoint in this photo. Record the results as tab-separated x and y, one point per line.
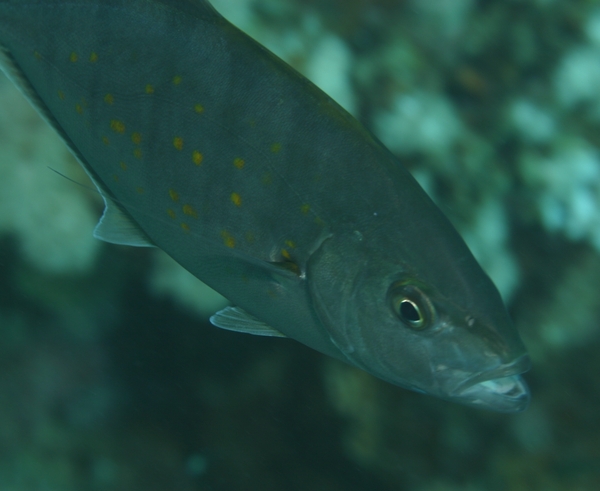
500	389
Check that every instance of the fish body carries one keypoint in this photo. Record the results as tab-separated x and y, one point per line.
206	145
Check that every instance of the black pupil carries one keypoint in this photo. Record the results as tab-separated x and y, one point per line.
409	312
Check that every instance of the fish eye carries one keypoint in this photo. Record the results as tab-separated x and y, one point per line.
410	313
411	306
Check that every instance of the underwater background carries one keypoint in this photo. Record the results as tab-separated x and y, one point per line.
111	377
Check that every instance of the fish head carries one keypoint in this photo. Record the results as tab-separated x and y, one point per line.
444	333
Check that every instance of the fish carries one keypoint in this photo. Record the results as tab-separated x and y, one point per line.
206	145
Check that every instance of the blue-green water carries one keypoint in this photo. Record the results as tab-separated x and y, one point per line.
112	379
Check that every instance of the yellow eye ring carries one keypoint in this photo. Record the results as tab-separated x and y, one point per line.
410	313
411	306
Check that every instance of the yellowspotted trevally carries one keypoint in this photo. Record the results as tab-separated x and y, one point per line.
205	144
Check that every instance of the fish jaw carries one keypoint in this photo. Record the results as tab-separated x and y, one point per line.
501	390
504	394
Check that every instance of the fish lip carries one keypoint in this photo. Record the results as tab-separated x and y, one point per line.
501	389
518	366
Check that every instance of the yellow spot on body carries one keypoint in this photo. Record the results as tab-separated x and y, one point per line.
123	165
305	209
149	89
115	178
319	221
73	57
178	142
105	140
250	237
136	138
228	240
189	211
199	108
78	108
117	126
291	266
137	153
174	195
197	157
176	80
140	190
93	57
109	99
276	147
290	243
185	227
239	163
236	199
37	55
171	213
285	254
61	95
267	178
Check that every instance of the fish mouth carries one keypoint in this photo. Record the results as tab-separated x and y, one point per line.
502	389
